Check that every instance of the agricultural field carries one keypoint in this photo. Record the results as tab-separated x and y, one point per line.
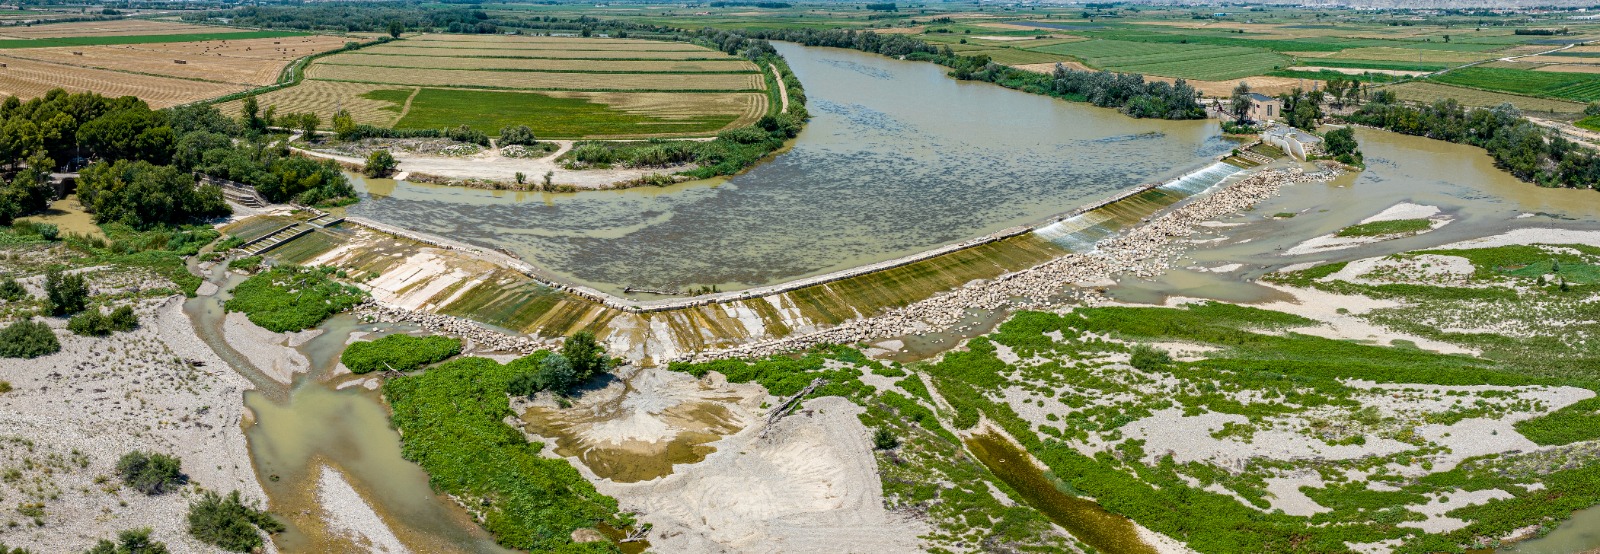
1427	92
561	87
1581	87
163	63
1190	61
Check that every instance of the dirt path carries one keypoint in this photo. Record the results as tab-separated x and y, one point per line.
491	166
406	108
783	90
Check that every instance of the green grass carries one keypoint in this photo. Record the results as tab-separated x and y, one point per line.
1591	123
1375	64
396	97
398	353
1583	87
141	39
549	117
451	422
1380	228
292	298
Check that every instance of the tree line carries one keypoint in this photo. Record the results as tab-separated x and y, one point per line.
1519	146
1130	93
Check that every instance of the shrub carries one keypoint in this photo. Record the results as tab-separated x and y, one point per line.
28	339
380	163
247	263
230	523
1148	357
884	439
399	353
132	541
151	473
588	358
290	298
520	134
11	290
93	324
554	373
66	293
5	387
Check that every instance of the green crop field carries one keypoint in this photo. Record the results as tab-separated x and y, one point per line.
141	39
547	116
1583	87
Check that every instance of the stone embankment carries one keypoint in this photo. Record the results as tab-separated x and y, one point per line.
477	336
1145	251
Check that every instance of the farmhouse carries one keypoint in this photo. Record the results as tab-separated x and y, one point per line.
1264	108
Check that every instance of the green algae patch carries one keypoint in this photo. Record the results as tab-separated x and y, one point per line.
1086	520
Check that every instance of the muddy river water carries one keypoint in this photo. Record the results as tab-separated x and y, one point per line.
898	159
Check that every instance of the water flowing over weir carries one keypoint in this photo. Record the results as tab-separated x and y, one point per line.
898	159
1080	232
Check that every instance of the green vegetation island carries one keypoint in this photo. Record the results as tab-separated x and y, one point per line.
799	277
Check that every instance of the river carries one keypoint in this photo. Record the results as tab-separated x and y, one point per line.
898	158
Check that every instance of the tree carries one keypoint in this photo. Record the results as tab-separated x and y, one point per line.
251	112
395	28
132	541
587	356
229	522
1593	109
884	439
66	293
308	126
1341	145
344	126
1241	104
380	163
141	195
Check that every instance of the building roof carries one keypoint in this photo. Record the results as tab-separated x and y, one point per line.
1258	97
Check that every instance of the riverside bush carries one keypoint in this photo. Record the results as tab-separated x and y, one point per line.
451	422
94	324
290	298
131	541
28	339
399	353
229	522
65	293
151	473
11	290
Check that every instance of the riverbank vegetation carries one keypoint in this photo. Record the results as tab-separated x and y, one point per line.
230	522
290	298
1386	227
1517	145
451	421
398	353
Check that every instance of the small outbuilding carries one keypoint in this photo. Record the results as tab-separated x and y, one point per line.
1264	108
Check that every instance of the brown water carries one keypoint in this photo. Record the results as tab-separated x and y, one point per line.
300	428
898	158
1581	533
68	216
1086	520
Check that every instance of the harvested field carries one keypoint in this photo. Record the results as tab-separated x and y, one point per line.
1190	61
29	79
1571	68
534	64
395	48
537	81
586	87
254	62
1357	70
1428	92
124	27
321	97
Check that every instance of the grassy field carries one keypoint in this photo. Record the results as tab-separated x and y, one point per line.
1190	61
1582	87
562	87
1427	91
142	39
548	116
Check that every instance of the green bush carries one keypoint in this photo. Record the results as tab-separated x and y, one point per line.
555	373
1380	228
230	523
11	290
291	298
380	163
28	339
67	293
520	134
132	541
399	353
92	323
1148	358
451	420
884	439
247	263
151	473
